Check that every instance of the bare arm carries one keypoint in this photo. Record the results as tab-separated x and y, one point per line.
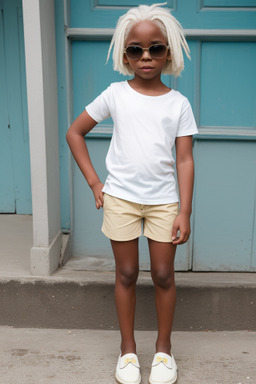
75	138
185	173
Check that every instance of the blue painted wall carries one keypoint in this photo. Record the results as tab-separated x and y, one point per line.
220	84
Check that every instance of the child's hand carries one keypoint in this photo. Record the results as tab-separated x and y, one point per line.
98	194
181	224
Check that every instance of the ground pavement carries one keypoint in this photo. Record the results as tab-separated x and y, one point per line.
66	356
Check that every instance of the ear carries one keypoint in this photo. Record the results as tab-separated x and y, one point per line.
125	60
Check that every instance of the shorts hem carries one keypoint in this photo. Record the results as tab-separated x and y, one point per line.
158	240
116	238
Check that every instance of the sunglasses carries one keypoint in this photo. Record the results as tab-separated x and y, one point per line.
156	51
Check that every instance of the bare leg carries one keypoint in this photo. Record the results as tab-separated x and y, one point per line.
162	271
127	269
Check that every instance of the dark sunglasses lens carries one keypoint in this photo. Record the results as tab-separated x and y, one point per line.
134	52
157	50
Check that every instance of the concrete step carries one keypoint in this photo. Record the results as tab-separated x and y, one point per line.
85	300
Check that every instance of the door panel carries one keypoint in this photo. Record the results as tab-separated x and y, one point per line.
224	205
7	200
14	134
218	14
227	80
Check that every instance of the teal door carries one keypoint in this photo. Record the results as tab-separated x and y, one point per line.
220	83
15	189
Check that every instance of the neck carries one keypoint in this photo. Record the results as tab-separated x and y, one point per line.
149	86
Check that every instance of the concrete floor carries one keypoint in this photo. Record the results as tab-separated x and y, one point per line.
29	356
16	240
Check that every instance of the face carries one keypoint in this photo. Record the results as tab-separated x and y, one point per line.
145	34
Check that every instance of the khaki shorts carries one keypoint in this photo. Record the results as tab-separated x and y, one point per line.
122	220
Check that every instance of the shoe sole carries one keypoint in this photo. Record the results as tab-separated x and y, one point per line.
166	382
127	382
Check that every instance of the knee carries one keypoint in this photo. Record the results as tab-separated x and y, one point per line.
163	279
128	276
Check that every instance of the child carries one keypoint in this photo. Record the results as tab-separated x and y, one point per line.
148	119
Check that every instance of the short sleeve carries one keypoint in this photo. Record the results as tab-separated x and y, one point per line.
98	109
187	125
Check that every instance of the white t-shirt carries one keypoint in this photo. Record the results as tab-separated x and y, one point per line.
140	163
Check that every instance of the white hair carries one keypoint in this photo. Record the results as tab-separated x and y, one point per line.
169	26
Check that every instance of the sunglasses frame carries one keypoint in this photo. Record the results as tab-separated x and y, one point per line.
146	49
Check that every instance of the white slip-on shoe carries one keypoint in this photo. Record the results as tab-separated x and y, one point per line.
163	370
128	369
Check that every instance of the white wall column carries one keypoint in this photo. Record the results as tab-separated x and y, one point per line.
40	52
